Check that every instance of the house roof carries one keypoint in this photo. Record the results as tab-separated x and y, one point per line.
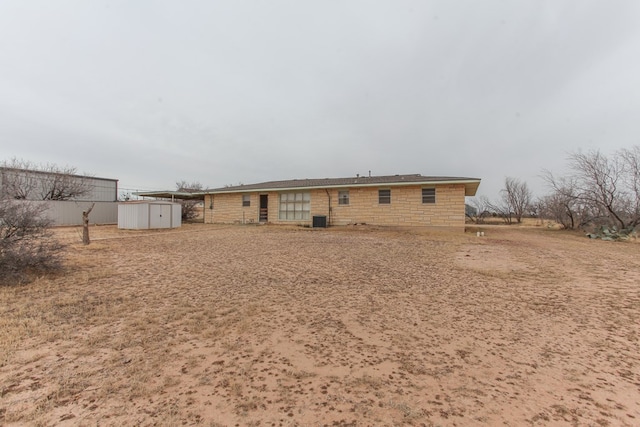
471	184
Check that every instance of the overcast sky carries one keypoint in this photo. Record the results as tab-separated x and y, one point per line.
223	92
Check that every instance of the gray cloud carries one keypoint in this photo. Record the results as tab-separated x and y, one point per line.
151	92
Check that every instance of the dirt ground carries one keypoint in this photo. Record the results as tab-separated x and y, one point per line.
278	326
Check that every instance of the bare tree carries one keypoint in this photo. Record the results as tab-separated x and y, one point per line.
85	225
598	182
25	180
631	162
600	190
564	210
16	183
518	196
607	185
26	242
515	200
189	206
563	205
481	209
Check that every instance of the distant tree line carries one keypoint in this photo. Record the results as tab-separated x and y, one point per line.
599	190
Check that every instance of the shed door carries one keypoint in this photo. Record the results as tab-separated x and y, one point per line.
159	216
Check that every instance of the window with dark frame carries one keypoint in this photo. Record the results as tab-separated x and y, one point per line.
384	197
428	195
343	197
246	200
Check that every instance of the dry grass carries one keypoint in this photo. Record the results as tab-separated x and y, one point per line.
211	325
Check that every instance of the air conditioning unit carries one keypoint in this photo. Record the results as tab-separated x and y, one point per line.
319	221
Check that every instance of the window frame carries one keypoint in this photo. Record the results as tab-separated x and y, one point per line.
429	199
343	201
384	199
297	206
246	200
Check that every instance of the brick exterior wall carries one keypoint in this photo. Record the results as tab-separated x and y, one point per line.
228	209
406	207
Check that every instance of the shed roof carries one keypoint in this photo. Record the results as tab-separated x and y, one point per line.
471	184
148	202
168	194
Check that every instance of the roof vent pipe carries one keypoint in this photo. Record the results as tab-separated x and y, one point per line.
369	173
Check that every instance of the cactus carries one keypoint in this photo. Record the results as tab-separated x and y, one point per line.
612	233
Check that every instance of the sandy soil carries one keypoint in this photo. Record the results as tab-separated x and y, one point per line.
276	326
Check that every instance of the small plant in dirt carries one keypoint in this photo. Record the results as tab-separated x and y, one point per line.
27	246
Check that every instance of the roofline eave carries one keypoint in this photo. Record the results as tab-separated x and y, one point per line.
168	194
471	186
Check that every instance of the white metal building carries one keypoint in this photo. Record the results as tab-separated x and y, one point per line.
142	215
70	212
103	189
35	185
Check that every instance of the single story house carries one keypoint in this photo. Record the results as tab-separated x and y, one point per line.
397	200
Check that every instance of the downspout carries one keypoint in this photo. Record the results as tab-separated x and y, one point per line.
329	196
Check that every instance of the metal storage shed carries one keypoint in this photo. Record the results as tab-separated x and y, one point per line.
141	215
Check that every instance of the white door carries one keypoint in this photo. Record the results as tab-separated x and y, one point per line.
159	216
